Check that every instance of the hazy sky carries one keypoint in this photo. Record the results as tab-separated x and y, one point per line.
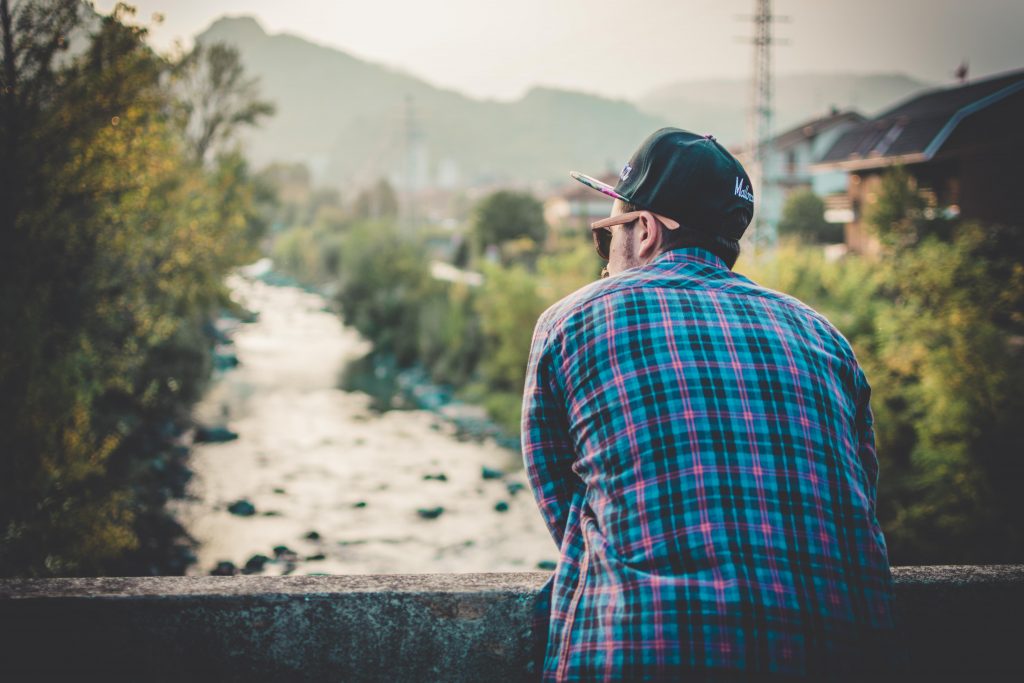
490	48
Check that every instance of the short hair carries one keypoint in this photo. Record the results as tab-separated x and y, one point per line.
726	249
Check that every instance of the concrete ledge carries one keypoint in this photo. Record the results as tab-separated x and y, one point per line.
955	622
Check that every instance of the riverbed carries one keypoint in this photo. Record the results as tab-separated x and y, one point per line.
336	486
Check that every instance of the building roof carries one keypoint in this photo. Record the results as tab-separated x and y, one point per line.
809	129
915	130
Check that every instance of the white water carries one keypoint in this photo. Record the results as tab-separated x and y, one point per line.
327	451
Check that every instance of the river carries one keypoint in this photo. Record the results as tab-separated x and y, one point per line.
335	485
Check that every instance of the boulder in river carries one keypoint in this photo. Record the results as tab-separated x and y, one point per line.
514	487
224	359
214	435
430	513
224	568
242	508
255	564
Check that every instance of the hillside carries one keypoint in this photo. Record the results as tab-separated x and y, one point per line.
347	118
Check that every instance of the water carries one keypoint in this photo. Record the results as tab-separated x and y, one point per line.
314	458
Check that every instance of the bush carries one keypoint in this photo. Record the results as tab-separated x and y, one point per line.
803	217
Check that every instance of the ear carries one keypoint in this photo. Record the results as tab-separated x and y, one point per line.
649	236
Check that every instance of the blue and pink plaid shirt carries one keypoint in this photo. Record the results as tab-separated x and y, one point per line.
701	449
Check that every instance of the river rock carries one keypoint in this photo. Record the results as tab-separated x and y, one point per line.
224	359
501	506
430	513
242	508
313	536
255	564
489	473
224	568
514	487
214	435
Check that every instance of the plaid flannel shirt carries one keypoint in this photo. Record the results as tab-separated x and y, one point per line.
701	449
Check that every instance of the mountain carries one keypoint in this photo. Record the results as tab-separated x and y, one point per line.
720	106
353	121
349	120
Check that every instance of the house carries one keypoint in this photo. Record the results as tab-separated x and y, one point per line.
962	146
789	161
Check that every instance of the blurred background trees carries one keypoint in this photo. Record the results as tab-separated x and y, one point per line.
937	321
803	217
513	220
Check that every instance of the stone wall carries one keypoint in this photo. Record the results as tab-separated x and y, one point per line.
958	622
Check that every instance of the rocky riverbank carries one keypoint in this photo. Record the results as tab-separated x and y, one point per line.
323	480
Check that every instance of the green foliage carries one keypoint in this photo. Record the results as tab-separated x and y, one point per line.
846	291
450	335
950	389
384	281
937	324
115	248
505	216
901	216
803	217
509	306
377	203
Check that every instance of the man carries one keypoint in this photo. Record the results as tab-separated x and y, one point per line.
701	449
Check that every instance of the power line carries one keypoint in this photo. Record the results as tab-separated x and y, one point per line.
759	121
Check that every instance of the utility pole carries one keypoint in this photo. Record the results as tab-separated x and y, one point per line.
759	122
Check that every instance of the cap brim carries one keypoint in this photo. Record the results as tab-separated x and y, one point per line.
595	184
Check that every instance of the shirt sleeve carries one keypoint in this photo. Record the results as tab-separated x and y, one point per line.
548	453
866	436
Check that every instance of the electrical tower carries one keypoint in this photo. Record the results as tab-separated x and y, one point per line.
411	149
759	123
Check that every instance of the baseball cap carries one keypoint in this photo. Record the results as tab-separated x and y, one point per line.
688	177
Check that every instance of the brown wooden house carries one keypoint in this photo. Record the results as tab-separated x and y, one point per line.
963	146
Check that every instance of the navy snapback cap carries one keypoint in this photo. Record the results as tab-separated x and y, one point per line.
688	177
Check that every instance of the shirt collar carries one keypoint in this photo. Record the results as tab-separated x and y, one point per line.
696	255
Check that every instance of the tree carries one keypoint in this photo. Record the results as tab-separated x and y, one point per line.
114	249
901	217
505	215
216	97
803	217
377	202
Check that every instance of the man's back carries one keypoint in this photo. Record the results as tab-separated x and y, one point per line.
701	449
